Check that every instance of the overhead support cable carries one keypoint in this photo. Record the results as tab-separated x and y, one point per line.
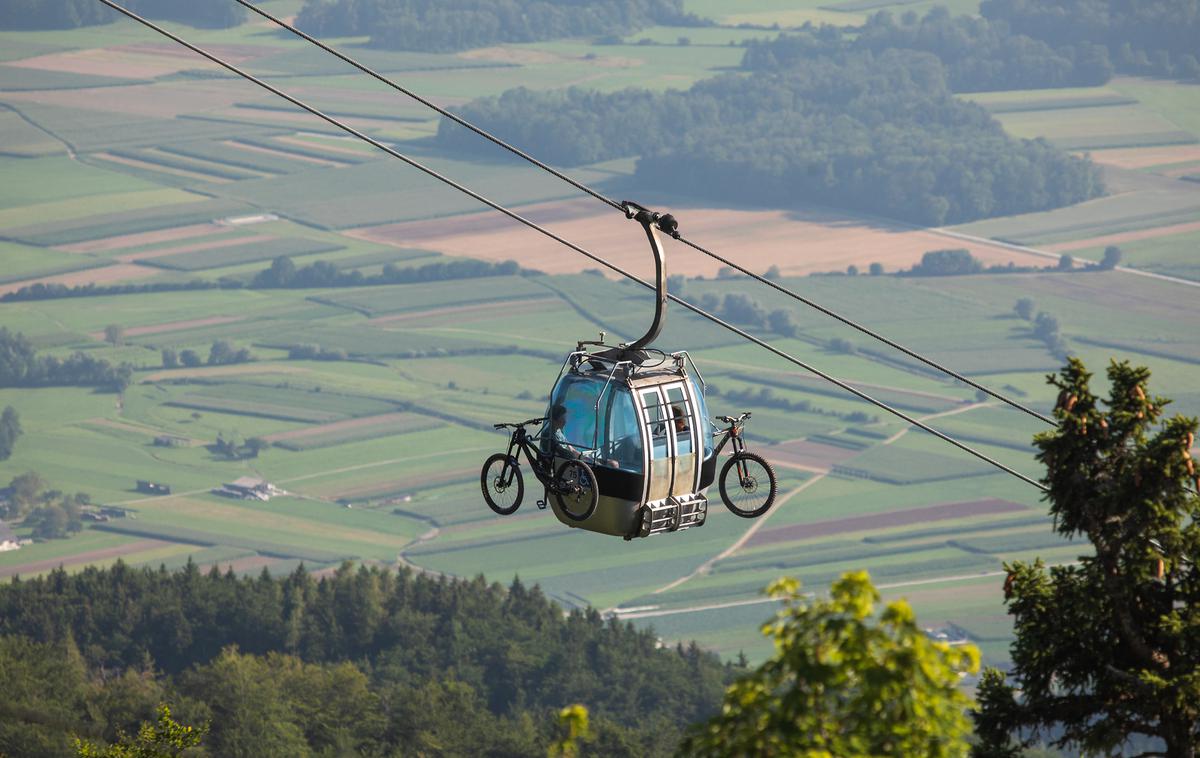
597	259
616	205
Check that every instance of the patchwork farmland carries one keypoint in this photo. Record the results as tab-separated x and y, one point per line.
371	406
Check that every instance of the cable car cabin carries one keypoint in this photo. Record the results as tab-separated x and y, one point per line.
627	447
640	422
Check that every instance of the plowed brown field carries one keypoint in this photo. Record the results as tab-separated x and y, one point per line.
798	242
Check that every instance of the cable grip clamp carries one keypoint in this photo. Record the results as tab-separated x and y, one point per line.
665	222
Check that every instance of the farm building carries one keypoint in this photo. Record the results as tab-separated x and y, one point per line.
153	488
8	540
248	488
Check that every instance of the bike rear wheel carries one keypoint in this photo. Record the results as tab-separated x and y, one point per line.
747	485
502	483
575	490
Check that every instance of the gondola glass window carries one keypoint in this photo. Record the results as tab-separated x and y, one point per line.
606	432
681	417
704	428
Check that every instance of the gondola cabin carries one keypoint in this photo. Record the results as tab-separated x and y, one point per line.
626	446
640	423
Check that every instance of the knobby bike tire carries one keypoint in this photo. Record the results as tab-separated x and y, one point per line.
494	490
579	476
733	487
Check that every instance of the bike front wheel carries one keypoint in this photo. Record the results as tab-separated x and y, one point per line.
575	490
503	485
747	485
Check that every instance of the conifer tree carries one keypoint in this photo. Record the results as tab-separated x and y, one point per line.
1107	648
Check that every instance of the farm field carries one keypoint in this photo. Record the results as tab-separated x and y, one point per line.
374	404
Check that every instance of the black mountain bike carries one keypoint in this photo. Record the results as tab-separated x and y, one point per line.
573	485
747	481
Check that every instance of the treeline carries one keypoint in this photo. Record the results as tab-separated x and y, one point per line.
70	14
450	25
363	662
960	262
1157	38
283	273
979	54
880	133
21	366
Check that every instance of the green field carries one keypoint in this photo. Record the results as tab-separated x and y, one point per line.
232	255
380	455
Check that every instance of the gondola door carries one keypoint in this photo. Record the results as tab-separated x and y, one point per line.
672	455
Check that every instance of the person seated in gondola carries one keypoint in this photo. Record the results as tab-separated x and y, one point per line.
559	445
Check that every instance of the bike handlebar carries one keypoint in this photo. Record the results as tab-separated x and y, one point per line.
533	421
732	420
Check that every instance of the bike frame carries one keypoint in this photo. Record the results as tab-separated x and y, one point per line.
734	433
539	464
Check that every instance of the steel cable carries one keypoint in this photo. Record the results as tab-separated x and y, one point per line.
531	224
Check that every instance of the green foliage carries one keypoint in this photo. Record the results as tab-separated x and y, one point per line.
70	14
979	55
1112	257
365	661
21	366
44	700
284	274
222	353
432	25
947	263
165	739
1104	647
842	684
10	430
1142	38
574	718
874	132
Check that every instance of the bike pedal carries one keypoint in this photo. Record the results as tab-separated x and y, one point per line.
541	504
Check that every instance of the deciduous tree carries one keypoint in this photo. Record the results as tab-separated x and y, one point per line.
10	429
842	684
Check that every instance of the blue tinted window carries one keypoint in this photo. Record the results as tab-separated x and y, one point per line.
604	433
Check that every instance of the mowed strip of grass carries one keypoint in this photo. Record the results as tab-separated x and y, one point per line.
147	219
232	255
329	435
30	182
278	402
21	139
1107	215
28	262
400	298
20	78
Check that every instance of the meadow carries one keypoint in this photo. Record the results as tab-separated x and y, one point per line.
379	454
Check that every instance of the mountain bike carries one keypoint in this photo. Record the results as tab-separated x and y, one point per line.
573	484
747	481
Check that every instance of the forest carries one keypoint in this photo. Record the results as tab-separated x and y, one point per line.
362	661
880	133
1155	38
70	14
979	55
441	26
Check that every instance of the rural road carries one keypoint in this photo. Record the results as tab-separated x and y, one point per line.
1056	256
